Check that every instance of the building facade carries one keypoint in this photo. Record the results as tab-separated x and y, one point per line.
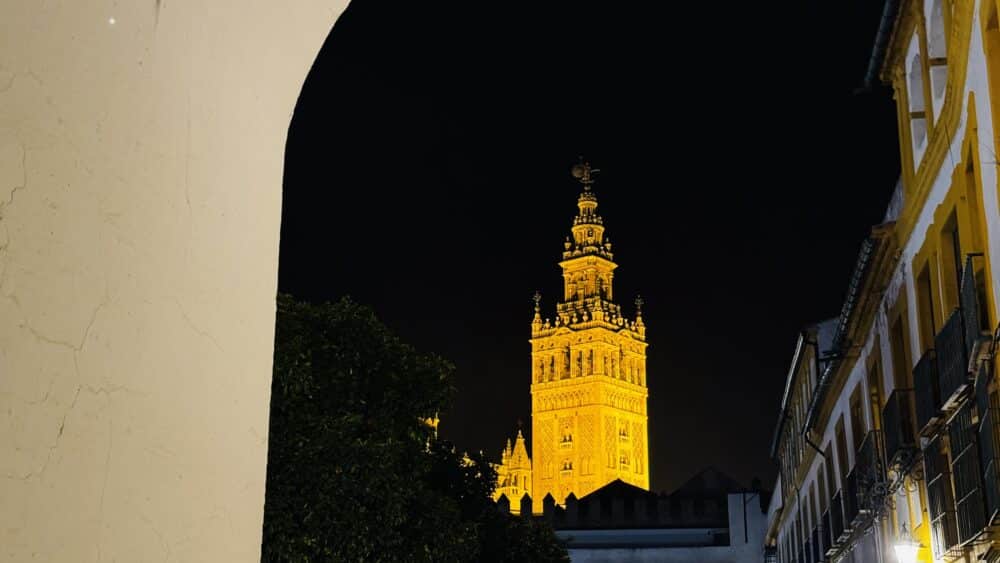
888	434
588	375
709	519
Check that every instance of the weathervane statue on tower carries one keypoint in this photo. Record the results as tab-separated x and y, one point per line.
583	172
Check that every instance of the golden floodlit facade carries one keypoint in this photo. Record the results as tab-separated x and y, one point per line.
588	374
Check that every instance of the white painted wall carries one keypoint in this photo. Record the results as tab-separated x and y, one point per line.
742	549
140	184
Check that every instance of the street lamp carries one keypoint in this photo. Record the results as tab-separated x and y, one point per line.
906	547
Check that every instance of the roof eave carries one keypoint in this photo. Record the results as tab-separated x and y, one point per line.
883	36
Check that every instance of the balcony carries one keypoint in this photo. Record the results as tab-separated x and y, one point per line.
837	531
966	476
989	446
952	360
817	552
823	540
851	510
972	315
927	393
897	420
869	470
940	502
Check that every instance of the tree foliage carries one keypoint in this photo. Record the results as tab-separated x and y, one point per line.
354	472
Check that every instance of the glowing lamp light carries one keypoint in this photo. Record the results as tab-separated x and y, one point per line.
906	552
906	547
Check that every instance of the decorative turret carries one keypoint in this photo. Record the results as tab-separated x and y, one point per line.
588	271
514	472
639	325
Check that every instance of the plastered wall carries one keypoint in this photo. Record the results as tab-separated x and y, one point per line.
141	150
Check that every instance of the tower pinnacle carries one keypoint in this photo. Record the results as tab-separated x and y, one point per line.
585	174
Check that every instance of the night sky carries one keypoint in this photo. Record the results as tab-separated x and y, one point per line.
427	175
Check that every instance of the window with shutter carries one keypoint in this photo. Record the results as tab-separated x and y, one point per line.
965	472
941	504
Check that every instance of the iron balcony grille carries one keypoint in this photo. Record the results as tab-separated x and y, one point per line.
952	360
897	419
989	447
983	398
770	554
852	511
926	391
940	503
965	472
837	518
869	470
824	542
969	300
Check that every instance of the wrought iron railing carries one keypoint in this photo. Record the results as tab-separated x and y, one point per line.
966	475
927	392
952	358
969	300
851	509
940	502
989	446
983	397
869	470
897	422
824	541
837	518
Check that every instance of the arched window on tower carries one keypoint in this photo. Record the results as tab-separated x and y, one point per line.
937	52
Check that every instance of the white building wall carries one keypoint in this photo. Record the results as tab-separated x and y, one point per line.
141	154
742	548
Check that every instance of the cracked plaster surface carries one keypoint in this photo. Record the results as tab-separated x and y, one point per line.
140	172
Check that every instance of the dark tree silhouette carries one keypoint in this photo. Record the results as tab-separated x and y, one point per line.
354	470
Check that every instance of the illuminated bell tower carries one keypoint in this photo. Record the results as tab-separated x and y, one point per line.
588	377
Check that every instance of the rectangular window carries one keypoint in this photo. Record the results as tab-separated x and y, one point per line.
843	462
926	309
899	341
875	395
814	503
951	263
831	469
857	417
823	494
